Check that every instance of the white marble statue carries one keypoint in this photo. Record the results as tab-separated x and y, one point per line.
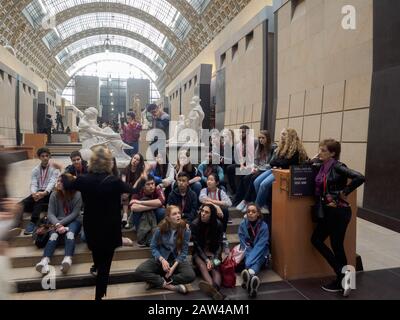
193	124
196	116
91	135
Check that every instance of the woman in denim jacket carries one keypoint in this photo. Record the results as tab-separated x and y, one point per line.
168	268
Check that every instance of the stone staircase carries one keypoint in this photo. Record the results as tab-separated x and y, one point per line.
79	283
63	149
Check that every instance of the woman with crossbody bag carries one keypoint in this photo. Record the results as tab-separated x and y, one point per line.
334	212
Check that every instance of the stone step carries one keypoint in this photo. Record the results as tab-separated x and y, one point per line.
127	290
28	256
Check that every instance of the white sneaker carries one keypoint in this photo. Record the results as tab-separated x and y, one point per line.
244	210
241	205
346	285
43	266
66	264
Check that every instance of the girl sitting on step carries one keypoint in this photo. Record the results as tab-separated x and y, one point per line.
64	213
168	268
254	239
207	232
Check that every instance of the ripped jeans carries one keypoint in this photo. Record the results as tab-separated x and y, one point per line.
70	235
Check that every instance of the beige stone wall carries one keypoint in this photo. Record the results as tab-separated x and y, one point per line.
244	81
324	76
207	56
7	107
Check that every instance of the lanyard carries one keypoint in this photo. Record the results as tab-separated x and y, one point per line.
254	232
43	177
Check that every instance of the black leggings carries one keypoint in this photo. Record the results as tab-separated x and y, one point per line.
334	226
102	259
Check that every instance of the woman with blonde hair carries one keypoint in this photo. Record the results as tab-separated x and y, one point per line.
168	268
101	193
290	152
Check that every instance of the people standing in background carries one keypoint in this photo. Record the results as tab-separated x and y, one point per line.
161	119
331	190
59	122
131	133
43	181
48	127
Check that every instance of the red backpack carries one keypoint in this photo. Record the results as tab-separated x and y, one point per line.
228	272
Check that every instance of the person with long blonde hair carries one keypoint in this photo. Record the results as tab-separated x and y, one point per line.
290	151
168	268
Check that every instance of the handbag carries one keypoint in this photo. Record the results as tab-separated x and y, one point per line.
237	254
317	210
228	274
42	233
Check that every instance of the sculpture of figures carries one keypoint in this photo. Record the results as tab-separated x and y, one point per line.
196	116
147	119
91	135
137	105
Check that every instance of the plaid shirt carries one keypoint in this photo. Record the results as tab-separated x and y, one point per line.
157	194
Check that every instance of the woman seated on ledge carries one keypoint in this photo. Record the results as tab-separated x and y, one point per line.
290	152
168	268
331	190
254	239
64	213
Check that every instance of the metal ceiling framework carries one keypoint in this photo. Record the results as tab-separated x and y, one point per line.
204	19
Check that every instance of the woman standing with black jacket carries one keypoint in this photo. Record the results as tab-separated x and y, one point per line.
101	192
332	189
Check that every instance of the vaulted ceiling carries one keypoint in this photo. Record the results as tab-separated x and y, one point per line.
50	36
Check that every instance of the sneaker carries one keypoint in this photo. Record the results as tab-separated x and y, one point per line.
244	210
346	285
141	245
334	286
14	233
265	210
180	288
126	242
43	266
66	264
93	271
245	279
30	228
254	284
241	205
210	291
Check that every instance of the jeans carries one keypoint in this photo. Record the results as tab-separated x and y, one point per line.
196	187
334	226
160	214
263	186
257	265
135	146
36	208
51	245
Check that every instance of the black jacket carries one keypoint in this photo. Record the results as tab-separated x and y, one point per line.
284	163
189	212
337	179
71	169
199	244
101	194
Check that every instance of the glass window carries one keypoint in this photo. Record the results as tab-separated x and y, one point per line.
115	41
160	9
199	5
108	20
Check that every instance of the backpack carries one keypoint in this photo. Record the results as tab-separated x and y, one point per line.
227	270
147	224
42	233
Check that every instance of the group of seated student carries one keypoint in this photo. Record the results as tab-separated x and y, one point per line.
169	206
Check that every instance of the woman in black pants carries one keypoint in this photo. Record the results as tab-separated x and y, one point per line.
101	192
332	189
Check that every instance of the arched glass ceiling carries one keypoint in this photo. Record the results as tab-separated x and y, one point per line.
108	20
99	57
115	40
160	9
199	5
